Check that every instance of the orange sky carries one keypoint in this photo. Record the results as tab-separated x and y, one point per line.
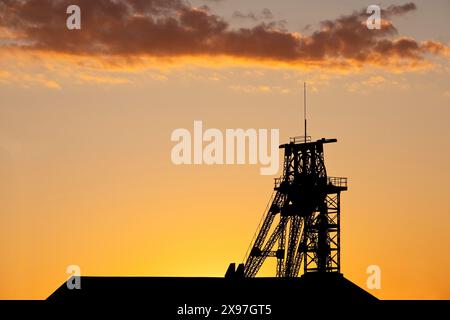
86	176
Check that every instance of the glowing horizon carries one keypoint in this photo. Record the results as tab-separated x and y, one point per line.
85	150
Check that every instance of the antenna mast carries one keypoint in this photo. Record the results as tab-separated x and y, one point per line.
304	106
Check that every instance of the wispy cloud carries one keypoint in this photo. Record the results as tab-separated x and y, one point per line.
265	14
102	79
251	89
27	80
367	85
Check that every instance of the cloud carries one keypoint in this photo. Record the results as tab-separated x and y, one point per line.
265	14
173	29
51	84
102	79
394	10
240	15
5	74
26	80
372	83
251	89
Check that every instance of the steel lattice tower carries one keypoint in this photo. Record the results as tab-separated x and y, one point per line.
302	222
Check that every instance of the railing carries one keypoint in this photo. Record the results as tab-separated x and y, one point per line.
300	139
277	181
338	181
334	181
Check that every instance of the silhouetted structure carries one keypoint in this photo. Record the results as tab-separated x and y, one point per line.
307	203
167	292
301	225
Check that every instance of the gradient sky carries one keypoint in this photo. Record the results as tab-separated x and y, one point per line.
86	116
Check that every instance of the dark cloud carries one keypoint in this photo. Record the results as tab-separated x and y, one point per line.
265	14
306	28
172	28
394	10
240	15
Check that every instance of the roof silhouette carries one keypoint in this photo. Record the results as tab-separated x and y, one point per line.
163	291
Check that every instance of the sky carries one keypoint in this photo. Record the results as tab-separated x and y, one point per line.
86	116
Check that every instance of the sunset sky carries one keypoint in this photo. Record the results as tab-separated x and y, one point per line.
86	116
